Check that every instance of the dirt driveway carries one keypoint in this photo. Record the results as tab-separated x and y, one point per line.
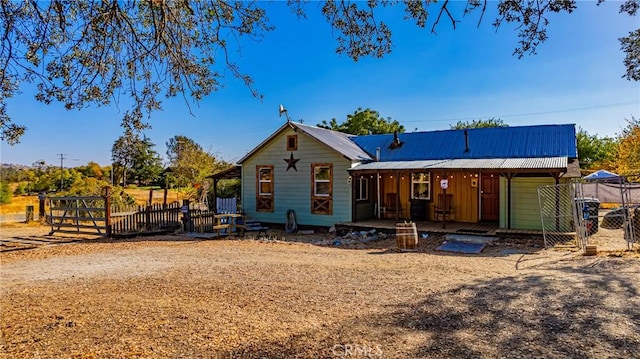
173	296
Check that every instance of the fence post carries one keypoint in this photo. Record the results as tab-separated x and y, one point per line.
29	214
186	216
147	217
164	199
107	210
41	214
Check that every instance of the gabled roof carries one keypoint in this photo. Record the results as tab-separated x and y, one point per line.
483	143
338	141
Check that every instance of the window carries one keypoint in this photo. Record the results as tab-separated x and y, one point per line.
362	188
264	188
292	142
322	180
322	188
421	185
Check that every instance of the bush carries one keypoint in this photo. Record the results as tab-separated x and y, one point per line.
20	190
5	193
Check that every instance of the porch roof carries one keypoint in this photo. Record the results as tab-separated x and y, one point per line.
525	164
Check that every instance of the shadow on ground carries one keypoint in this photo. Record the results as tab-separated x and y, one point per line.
564	311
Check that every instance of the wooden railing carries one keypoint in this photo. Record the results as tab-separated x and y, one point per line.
153	218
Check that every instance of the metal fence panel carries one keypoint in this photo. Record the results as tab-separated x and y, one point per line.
558	213
582	214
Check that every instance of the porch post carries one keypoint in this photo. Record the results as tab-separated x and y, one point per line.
509	177
378	193
444	212
215	195
354	206
397	173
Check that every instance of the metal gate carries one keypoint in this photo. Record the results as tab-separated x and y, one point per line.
572	214
558	213
78	215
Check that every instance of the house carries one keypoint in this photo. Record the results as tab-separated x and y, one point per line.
472	175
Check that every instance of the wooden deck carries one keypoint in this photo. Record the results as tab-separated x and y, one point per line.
482	229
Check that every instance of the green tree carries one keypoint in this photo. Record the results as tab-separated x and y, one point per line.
20	190
89	52
147	164
364	122
190	164
491	122
593	151
135	158
628	150
5	193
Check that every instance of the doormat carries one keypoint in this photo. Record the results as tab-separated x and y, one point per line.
462	247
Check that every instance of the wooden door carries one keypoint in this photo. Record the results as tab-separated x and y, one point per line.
490	196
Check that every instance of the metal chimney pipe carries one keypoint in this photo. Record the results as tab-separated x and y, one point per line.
466	141
377	154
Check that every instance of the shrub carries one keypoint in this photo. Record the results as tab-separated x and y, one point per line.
5	193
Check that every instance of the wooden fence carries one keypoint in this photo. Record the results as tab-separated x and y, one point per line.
97	215
78	215
145	219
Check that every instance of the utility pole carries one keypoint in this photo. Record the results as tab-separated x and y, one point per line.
62	158
179	172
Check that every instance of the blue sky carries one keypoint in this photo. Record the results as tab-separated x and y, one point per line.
427	83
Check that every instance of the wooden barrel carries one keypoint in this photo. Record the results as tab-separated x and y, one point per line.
407	236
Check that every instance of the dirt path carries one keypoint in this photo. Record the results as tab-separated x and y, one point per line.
176	297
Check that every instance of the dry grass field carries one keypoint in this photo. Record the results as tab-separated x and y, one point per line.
141	196
176	297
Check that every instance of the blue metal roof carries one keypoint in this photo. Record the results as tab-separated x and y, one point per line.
493	142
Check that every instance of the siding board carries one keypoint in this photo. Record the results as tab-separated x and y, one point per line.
292	188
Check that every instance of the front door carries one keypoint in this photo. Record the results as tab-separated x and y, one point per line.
490	196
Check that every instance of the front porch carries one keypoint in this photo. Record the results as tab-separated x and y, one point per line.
481	229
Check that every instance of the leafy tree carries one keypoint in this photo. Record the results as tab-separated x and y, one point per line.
5	193
593	151
628	151
122	156
189	163
92	169
492	122
83	52
134	157
364	122
147	164
20	190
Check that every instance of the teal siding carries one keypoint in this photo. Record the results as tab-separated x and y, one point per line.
525	209
292	189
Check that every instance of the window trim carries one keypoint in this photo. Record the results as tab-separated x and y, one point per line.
295	142
265	200
427	182
359	191
321	203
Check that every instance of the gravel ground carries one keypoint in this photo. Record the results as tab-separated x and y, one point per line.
176	297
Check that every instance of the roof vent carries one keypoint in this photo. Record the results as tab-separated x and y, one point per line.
466	141
396	141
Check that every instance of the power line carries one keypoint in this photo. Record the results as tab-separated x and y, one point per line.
531	113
